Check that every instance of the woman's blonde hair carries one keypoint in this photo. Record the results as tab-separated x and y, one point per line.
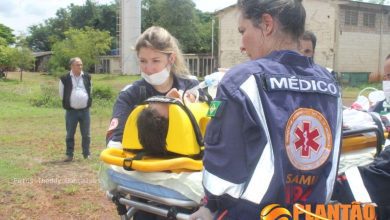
158	38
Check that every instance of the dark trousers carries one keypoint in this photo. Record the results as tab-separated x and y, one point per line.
72	117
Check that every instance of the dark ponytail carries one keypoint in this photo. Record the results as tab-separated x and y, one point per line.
290	13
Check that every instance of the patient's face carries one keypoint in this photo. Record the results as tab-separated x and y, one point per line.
161	108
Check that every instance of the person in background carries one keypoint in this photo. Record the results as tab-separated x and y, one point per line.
379	107
275	120
307	47
369	183
162	68
75	91
307	44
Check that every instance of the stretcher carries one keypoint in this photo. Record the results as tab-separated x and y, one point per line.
131	195
167	186
173	199
364	134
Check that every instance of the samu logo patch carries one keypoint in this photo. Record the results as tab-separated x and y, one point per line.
308	139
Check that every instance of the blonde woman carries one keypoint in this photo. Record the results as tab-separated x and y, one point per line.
162	68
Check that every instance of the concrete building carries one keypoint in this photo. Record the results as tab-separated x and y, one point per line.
353	38
129	28
109	64
41	61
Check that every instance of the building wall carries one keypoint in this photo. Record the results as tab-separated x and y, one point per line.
320	19
344	48
115	66
229	39
113	63
358	52
41	63
362	48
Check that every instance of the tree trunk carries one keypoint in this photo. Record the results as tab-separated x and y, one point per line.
21	75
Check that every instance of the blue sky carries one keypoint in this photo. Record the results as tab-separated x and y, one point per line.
20	14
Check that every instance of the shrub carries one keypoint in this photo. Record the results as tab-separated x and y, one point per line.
102	92
58	72
47	98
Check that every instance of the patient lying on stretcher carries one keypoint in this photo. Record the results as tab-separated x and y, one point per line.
181	149
171	125
153	122
162	127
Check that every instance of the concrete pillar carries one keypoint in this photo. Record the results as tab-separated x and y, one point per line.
130	30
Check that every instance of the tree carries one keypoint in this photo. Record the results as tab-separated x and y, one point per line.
107	21
38	40
5	59
190	26
6	36
16	57
204	27
100	17
85	43
85	15
23	59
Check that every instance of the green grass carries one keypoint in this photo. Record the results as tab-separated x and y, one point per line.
32	146
31	134
71	189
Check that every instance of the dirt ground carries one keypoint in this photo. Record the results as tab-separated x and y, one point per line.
60	191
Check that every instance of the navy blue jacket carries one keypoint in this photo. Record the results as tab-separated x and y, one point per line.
274	137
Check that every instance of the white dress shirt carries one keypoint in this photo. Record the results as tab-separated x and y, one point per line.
79	95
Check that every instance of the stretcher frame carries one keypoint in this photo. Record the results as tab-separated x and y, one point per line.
128	201
354	139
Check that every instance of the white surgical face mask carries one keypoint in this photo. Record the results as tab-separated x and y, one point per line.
156	79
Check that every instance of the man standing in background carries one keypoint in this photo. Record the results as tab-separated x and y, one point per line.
307	44
75	92
307	47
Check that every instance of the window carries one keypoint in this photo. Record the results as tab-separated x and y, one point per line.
369	19
351	17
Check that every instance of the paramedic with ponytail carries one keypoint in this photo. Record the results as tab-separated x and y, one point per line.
274	136
162	68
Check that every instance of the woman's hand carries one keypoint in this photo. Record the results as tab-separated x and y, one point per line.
203	213
178	94
173	93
